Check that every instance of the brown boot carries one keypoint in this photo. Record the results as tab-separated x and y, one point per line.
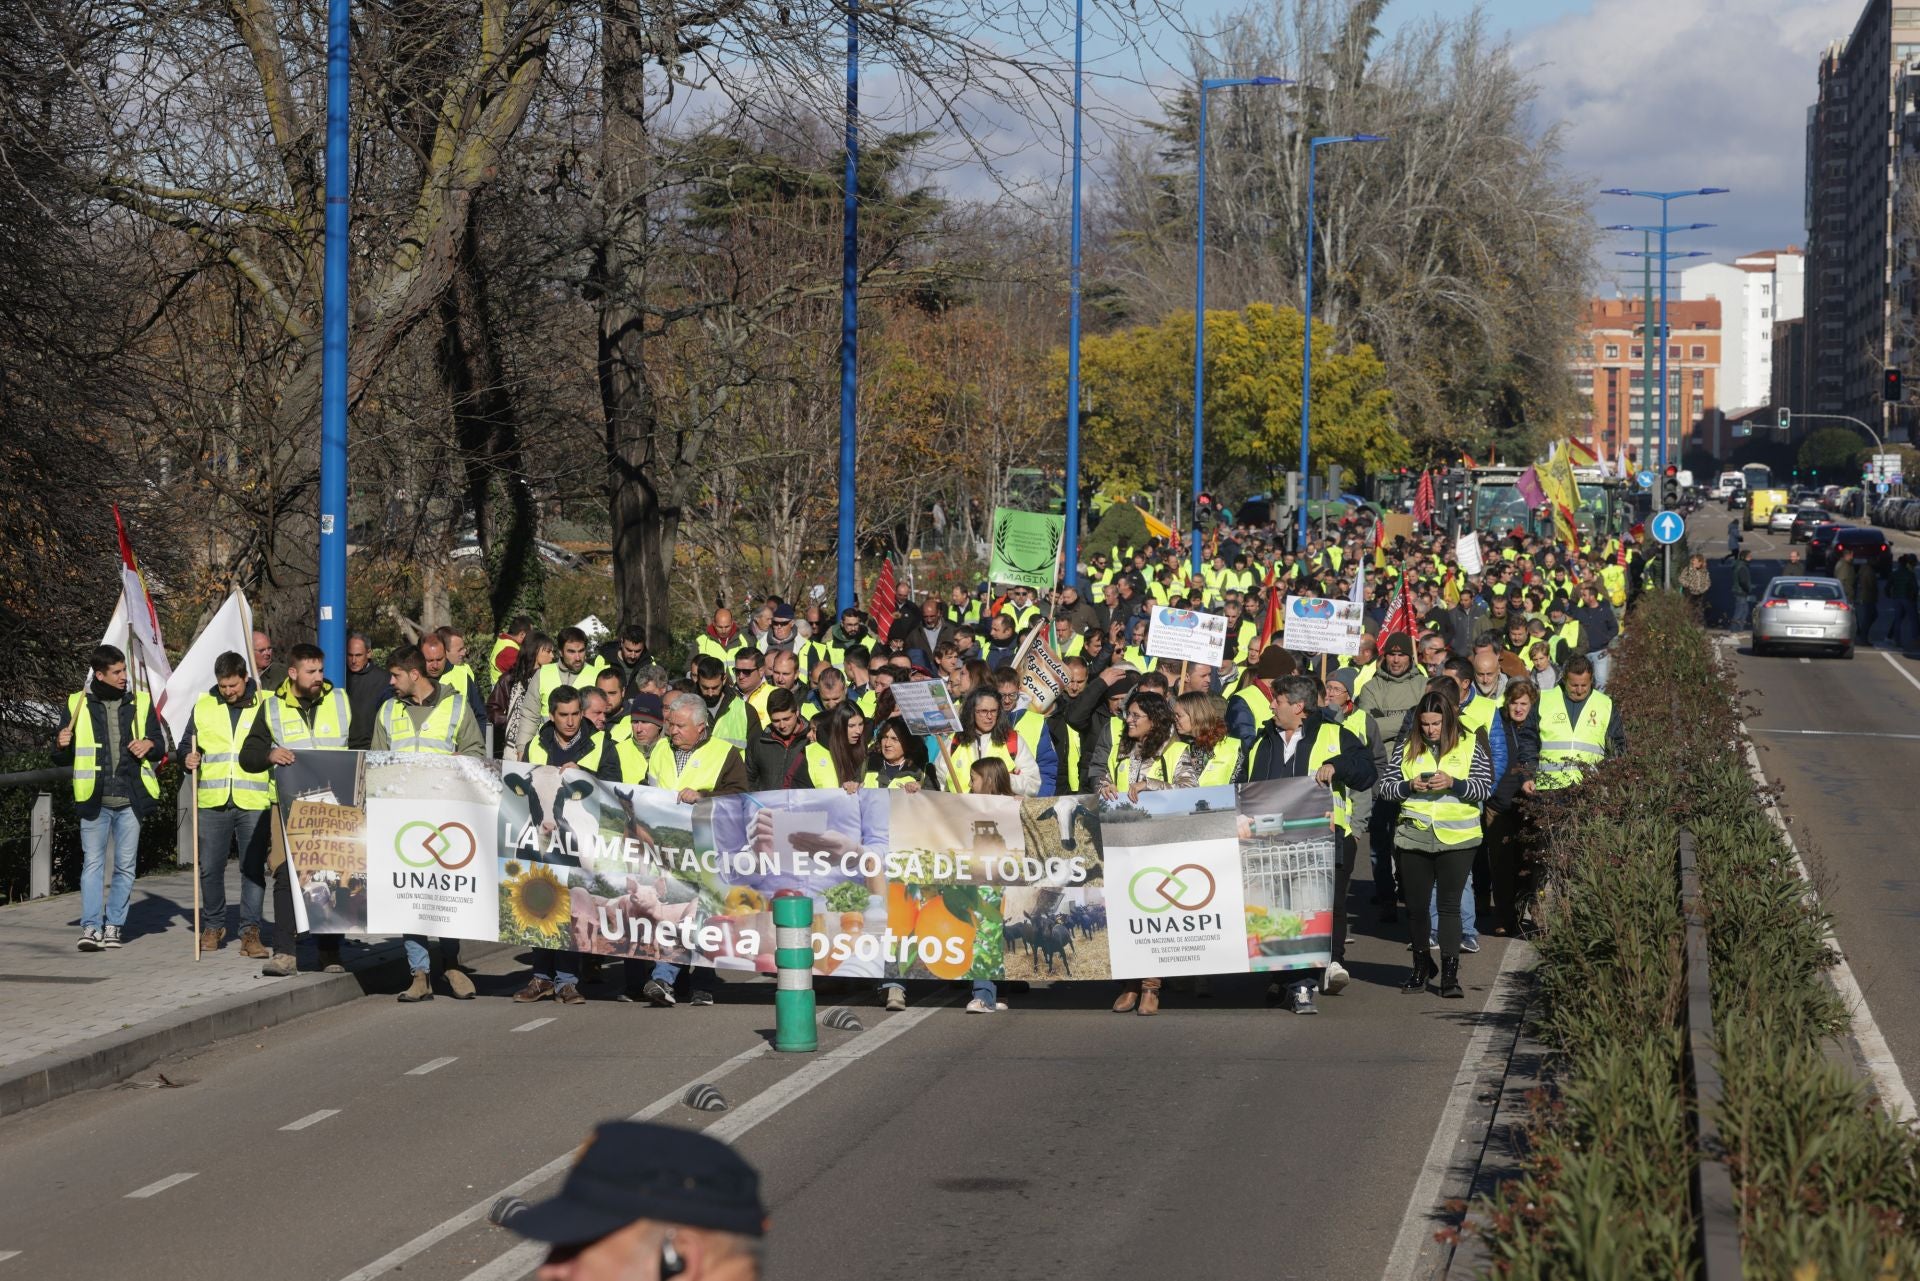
283	965
330	960
250	944
1128	999
1149	996
419	990
211	938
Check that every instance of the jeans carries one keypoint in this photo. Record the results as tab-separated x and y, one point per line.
1742	611
120	829
702	979
1602	661
1423	871
1469	910
1900	620
1864	612
1346	853
557	967
986	991
420	960
220	830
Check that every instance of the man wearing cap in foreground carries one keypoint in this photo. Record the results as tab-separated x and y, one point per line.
648	1201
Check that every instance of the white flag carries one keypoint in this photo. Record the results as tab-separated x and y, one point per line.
229	630
1359	593
1467	552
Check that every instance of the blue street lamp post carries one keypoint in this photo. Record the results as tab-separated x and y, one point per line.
846	584
1306	335
1666	199
1207	86
332	611
1070	563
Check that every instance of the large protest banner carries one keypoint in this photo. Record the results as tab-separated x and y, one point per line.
921	885
1026	548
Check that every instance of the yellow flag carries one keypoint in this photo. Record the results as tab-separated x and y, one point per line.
1563	495
1155	528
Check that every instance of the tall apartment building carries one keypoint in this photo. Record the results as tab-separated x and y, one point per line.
1863	140
1755	292
1609	363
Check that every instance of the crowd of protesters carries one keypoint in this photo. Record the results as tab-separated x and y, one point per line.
1471	694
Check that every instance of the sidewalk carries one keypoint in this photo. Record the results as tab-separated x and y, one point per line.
77	1020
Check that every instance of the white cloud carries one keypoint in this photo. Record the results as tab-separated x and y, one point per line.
1670	94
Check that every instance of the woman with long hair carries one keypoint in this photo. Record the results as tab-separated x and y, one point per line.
1148	751
987	733
1209	756
524	713
1441	775
898	759
837	756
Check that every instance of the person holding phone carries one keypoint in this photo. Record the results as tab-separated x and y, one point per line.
1440	775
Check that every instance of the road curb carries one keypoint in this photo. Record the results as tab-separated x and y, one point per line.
110	1059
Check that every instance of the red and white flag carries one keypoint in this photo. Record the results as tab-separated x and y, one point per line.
1423	500
1269	623
1400	618
146	652
885	599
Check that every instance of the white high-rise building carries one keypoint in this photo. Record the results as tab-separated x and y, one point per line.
1755	292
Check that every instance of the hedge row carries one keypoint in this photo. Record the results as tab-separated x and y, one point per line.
1826	1182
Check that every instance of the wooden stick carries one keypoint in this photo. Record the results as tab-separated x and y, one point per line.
953	776
192	779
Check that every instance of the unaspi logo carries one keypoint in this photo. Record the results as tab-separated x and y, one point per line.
446	846
1172	899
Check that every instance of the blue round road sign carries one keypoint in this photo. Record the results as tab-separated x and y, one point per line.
1668	528
1645	479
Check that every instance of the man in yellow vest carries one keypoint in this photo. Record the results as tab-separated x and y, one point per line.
428	718
303	712
1578	729
576	667
693	764
506	646
457	677
111	738
232	803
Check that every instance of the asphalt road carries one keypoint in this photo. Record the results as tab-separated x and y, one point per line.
1843	739
1222	1138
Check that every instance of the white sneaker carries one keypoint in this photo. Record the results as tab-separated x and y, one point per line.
978	1006
1336	978
896	999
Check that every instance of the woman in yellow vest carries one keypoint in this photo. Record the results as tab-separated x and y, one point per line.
988	732
1209	756
837	756
1149	751
1442	775
898	759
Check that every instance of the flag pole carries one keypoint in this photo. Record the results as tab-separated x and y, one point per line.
192	777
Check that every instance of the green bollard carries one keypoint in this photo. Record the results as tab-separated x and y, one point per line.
793	1025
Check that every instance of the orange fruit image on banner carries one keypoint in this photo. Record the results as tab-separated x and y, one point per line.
902	910
937	922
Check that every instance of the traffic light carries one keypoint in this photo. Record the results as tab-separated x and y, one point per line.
1206	509
1892	387
1786	417
1670	488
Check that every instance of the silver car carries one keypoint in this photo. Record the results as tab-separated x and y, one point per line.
1803	613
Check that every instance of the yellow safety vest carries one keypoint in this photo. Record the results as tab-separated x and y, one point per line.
438	736
1222	762
87	750
537	752
458	677
1169	758
732	725
963	756
500	645
872	779
218	736
1479	712
1257	704
706	644
552	677
821	771
703	770
330	719
1569	746
1326	746
758	699
1453	821
1614	577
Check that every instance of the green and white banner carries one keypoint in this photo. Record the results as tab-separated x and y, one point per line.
1026	548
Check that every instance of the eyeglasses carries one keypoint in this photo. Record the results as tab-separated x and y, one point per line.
745	671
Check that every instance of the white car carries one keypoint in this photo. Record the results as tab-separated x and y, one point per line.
1782	519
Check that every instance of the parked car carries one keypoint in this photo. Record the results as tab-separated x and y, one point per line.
1782	519
1803	613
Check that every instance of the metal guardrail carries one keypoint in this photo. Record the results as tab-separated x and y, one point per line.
1714	1205
39	826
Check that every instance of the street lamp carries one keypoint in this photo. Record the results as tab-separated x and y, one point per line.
331	614
1666	199
1200	286
1306	334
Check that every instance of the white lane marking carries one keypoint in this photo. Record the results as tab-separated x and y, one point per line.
1829	733
1806	660
8	1254
1881	1065
1894	663
1417	1224
478	1210
155	1189
431	1065
522	1259
311	1118
528	1027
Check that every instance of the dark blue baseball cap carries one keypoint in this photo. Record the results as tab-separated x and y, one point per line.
629	1171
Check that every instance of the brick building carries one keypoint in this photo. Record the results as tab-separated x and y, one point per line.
1609	364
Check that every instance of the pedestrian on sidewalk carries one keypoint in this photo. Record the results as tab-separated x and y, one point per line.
1742	589
304	712
646	1202
1903	591
110	738
430	719
233	805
